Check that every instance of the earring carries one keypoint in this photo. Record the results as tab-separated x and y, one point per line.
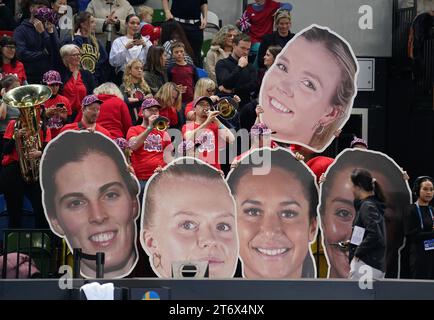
319	128
156	257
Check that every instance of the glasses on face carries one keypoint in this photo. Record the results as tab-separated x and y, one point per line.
210	90
11	47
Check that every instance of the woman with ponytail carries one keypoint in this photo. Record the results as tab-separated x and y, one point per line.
94	57
367	247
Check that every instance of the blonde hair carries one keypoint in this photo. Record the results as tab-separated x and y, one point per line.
109	88
280	15
144	10
202	85
164	96
67	49
128	82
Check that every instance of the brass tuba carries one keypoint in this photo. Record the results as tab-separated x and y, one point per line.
227	108
27	100
161	123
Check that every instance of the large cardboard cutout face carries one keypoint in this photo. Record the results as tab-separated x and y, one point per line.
91	200
276	216
189	216
307	94
337	209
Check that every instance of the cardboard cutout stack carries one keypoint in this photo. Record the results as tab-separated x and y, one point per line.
307	94
189	217
276	197
91	200
336	208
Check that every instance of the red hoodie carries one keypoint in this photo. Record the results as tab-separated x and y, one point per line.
113	116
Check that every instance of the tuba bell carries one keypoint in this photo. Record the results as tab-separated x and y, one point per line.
161	123
227	108
27	99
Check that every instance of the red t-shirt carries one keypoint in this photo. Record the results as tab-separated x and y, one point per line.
261	21
74	126
208	139
55	123
184	75
170	113
9	134
151	155
18	71
75	91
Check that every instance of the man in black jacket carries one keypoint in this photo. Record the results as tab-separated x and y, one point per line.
235	75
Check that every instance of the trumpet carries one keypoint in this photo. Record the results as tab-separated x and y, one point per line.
161	123
27	100
227	107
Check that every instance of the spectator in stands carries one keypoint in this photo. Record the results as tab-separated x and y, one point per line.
94	57
145	14
206	130
170	97
310	109
9	65
204	87
58	107
155	68
182	73
195	222
171	32
269	58
419	230
77	83
248	114
276	223
221	47
151	148
37	43
90	200
192	15
7	113
110	16
280	37
338	212
134	87
60	8
90	108
258	19
235	75
131	46
114	114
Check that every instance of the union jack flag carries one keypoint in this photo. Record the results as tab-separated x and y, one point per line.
245	22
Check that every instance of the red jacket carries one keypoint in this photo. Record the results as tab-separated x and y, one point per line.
113	116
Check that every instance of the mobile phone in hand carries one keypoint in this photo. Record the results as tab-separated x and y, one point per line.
137	36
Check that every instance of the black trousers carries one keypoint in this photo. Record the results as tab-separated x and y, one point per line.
14	189
195	37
